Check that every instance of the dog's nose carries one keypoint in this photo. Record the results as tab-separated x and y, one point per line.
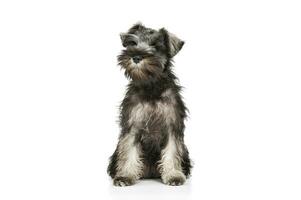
137	59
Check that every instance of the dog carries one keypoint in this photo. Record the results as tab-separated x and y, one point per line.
152	113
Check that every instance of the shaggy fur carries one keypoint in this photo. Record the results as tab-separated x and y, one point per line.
152	113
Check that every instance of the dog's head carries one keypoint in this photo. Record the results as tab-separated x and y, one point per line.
147	51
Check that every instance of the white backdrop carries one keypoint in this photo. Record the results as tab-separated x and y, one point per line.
60	88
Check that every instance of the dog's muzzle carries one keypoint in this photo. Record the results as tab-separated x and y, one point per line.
137	59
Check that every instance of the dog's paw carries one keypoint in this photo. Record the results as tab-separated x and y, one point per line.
176	181
174	178
123	181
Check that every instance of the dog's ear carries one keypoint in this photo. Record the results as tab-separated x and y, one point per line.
173	43
122	37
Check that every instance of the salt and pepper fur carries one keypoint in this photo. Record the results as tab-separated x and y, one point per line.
152	113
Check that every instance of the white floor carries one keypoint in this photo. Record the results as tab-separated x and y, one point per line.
151	189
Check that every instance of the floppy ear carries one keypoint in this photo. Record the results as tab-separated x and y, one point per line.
122	37
173	43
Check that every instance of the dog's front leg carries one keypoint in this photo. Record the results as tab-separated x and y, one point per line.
129	164
170	163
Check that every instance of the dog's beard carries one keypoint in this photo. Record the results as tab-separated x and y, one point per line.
148	68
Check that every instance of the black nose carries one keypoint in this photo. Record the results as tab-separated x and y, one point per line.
137	59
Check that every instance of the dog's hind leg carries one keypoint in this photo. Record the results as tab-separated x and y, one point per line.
129	166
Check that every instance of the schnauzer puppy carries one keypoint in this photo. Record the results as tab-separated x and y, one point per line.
151	142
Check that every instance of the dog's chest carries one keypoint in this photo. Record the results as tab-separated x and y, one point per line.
155	114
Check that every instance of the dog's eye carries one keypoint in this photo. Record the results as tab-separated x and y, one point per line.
131	43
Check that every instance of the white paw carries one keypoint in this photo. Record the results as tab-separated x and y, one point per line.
123	181
174	178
